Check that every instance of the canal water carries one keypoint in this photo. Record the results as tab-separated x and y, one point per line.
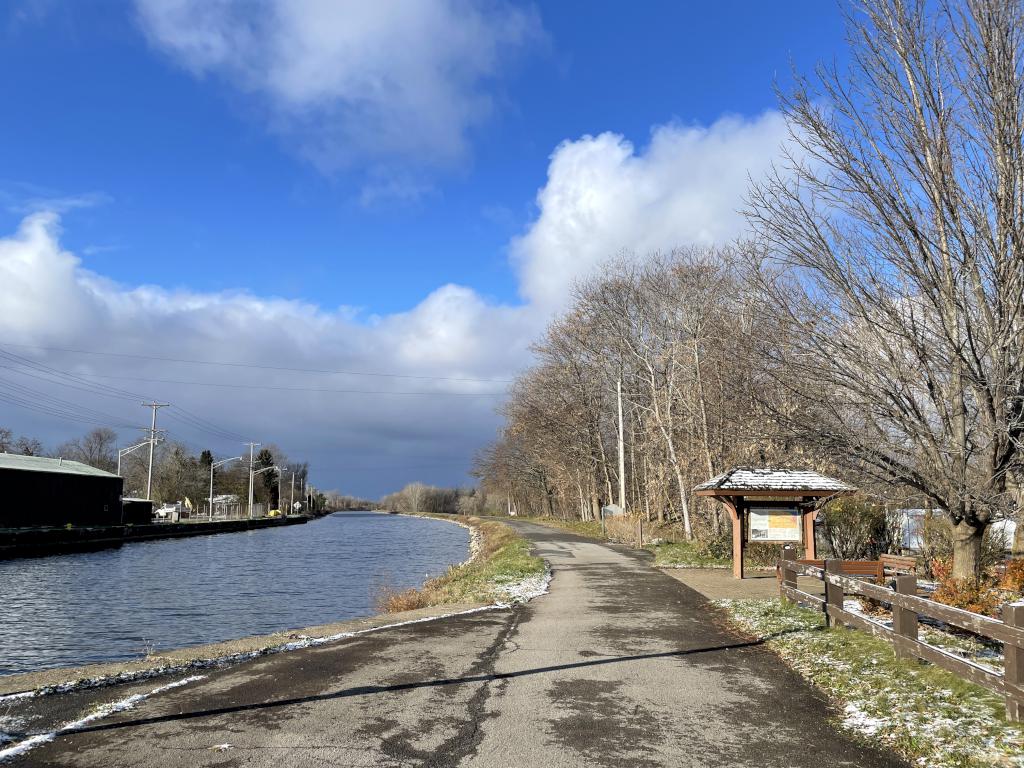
122	603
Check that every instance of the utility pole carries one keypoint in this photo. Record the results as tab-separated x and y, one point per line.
291	504
152	445
252	463
622	450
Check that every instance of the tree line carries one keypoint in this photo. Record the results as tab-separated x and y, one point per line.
871	324
419	499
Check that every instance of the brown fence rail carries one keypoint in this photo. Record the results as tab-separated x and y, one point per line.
907	607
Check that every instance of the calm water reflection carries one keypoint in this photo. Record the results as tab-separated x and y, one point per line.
117	604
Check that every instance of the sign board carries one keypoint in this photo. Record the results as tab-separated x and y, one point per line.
773	524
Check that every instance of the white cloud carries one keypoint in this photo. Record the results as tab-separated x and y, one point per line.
603	196
353	81
51	301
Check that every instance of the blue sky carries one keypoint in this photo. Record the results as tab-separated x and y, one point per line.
192	163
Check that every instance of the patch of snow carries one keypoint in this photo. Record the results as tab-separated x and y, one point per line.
99	713
8	724
523	591
16	696
854	606
858	720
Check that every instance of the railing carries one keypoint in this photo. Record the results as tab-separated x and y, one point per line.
907	608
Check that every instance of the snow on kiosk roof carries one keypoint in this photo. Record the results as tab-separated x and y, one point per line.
749	481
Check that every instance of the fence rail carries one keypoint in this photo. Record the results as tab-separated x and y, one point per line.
907	608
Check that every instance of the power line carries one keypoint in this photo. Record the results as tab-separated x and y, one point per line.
64	415
72	381
224	385
201	424
232	364
57	403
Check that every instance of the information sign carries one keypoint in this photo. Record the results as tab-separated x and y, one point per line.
774	524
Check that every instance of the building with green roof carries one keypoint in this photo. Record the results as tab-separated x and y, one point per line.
40	492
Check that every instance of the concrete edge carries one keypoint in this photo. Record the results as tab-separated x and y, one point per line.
63	679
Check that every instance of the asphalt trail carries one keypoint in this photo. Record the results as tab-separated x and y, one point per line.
618	666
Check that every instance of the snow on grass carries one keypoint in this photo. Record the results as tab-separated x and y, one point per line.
924	713
523	590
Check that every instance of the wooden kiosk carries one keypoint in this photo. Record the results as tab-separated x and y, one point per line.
771	506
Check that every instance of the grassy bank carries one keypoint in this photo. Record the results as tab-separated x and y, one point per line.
502	561
926	714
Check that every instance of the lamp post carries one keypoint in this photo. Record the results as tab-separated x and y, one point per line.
267	469
125	451
214	465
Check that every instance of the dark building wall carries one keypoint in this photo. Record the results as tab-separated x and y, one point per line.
137	511
51	499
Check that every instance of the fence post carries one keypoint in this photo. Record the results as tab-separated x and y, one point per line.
904	620
788	575
833	592
1013	669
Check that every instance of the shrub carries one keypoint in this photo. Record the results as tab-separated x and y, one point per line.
978	596
1013	578
390	601
716	547
855	528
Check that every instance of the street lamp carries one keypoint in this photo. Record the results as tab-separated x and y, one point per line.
291	503
124	452
214	465
267	469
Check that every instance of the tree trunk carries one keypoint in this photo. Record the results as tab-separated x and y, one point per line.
967	550
686	507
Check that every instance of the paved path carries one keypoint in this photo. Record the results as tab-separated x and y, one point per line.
619	665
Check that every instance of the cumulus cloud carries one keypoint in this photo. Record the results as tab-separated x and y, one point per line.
353	80
603	195
350	427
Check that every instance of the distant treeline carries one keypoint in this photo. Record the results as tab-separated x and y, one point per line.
420	498
339	502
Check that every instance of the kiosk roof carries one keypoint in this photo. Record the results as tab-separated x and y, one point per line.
765	480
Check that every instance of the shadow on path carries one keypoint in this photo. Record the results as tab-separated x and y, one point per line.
369	690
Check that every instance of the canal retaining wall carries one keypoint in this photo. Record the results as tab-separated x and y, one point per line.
35	542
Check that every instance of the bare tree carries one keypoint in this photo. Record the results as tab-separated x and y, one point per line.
97	449
901	214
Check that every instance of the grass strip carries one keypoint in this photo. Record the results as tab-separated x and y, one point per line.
686	554
503	559
924	713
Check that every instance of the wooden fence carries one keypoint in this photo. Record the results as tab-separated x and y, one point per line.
907	607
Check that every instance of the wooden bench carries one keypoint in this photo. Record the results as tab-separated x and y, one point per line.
859	569
893	565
